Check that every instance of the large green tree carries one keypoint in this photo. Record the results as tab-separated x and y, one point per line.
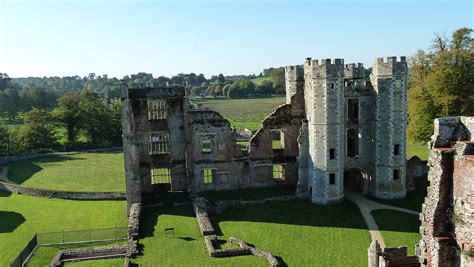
69	114
9	102
441	83
4	140
37	131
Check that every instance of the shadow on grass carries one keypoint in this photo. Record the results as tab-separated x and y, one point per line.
396	221
150	217
414	199
9	221
5	193
21	171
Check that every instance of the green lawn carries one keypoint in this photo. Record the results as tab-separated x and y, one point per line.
44	254
186	248
259	80
77	172
300	233
398	228
417	149
102	263
22	216
243	113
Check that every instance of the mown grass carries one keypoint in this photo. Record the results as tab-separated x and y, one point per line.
417	149
44	254
102	263
243	113
76	172
186	248
398	228
23	216
300	233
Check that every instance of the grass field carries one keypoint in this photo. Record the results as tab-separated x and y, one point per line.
300	233
44	254
102	263
398	228
22	216
417	149
243	113
186	248
77	172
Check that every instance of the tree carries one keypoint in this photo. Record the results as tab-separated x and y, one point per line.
9	102
4	81
247	87
221	78
441	83
69	114
195	90
264	88
4	140
37	131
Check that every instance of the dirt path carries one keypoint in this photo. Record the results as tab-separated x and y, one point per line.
366	206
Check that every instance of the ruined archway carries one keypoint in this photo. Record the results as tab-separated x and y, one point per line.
356	180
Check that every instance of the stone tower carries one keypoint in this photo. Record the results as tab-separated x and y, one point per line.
389	80
324	98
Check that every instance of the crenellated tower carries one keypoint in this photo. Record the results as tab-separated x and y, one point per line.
389	79
324	96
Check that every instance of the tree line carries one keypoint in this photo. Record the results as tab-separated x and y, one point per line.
441	82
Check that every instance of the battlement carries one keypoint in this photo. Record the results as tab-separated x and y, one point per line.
294	73
354	71
324	68
390	67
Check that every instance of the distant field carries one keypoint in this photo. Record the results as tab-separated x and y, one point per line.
77	172
259	80
22	216
243	113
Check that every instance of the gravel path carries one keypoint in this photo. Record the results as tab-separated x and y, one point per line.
366	206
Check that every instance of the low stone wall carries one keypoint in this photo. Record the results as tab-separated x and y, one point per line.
221	205
39	192
89	254
272	260
5	160
134	227
202	216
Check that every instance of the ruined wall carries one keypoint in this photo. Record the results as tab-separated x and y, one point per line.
447	214
224	158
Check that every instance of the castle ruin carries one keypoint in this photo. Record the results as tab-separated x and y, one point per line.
337	130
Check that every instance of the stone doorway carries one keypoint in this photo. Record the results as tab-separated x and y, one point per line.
356	180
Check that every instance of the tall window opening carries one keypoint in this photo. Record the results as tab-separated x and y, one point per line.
208	176
396	149
332	153
352	143
206	143
396	174
158	143
353	109
161	176
278	172
156	109
332	178
277	139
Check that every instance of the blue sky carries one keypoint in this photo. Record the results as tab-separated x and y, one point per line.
59	38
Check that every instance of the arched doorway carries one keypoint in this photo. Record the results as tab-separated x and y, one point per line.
356	180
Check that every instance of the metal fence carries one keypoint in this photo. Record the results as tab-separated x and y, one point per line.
25	252
82	236
69	237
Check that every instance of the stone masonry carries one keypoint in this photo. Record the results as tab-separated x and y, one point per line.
447	218
337	130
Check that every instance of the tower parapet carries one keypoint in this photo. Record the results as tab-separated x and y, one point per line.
294	78
326	68
390	67
354	71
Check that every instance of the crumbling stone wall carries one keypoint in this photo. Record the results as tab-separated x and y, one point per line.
448	212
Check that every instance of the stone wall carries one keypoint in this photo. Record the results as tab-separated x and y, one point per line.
39	192
88	254
447	216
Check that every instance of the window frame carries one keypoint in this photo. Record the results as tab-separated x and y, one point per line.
332	178
157	109
208	175
161	145
207	140
164	175
278	172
